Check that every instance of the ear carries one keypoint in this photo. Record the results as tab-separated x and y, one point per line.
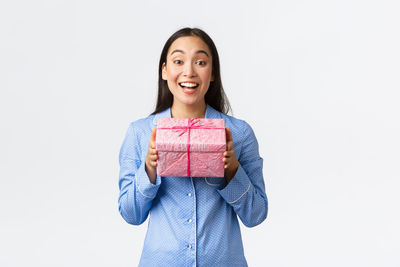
164	71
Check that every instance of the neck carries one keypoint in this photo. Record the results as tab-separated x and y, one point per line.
188	111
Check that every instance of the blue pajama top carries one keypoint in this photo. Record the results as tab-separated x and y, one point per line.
193	220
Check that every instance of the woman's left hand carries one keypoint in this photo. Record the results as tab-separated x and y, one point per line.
231	164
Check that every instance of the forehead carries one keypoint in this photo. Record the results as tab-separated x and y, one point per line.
188	45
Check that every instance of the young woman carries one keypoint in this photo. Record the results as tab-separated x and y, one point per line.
193	220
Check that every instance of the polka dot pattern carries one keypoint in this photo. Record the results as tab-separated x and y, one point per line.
193	220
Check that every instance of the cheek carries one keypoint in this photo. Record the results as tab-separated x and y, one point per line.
173	73
206	74
171	81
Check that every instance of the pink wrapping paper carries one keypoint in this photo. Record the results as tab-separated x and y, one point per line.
203	140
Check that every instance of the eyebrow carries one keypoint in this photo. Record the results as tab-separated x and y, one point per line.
197	52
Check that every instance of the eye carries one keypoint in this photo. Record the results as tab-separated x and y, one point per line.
201	62
177	61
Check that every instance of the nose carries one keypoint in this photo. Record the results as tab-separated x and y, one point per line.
188	70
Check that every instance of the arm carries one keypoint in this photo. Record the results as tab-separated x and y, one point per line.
136	190
245	192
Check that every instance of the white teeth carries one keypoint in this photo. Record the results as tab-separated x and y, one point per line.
189	84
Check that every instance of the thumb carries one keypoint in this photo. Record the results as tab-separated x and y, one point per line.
228	135
153	136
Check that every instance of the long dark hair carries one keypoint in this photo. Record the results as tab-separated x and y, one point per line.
215	96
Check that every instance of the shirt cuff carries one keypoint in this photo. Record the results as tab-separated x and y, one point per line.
237	187
147	188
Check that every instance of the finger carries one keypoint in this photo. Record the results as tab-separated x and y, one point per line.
153	135
230	146
150	151
153	157
227	161
152	145
228	135
228	154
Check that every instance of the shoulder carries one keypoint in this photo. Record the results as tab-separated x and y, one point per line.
143	122
236	125
243	136
141	127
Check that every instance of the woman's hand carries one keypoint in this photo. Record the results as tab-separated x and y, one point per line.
231	164
151	158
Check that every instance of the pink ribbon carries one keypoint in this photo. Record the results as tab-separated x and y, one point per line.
190	125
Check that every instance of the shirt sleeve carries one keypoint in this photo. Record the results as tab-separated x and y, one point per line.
246	191
136	190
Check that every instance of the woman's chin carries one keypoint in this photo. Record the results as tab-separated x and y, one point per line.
190	101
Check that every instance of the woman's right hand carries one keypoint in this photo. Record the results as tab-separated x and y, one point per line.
151	158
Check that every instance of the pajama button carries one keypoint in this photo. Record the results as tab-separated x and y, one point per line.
190	194
189	246
190	220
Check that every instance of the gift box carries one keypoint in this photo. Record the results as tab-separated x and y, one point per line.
190	147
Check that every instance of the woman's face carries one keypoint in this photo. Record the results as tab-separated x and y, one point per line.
188	70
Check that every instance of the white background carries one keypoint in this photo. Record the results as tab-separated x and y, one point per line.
317	80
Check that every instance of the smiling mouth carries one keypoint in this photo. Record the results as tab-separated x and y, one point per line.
189	85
